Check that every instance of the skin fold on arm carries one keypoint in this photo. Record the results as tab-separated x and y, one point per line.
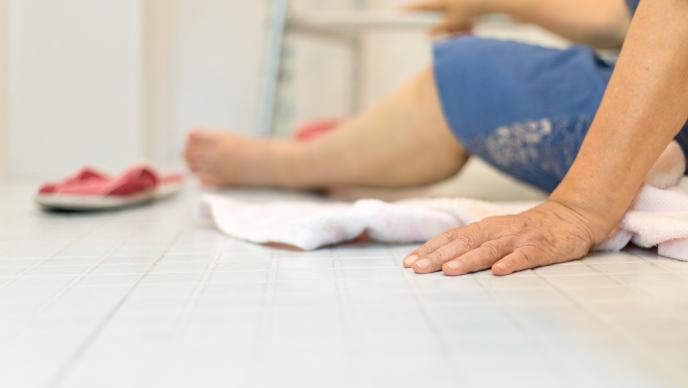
644	107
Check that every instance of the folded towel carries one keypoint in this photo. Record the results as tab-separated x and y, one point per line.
658	217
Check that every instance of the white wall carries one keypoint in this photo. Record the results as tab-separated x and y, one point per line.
109	83
75	85
203	60
319	72
392	58
4	88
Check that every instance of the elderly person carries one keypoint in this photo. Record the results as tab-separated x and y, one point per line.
583	129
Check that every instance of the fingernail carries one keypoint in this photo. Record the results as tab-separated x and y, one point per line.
409	260
500	268
453	265
423	264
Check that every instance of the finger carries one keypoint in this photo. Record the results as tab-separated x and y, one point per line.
425	6
466	235
463	241
518	260
433	262
479	259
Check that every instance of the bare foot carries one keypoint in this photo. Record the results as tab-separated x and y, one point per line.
227	159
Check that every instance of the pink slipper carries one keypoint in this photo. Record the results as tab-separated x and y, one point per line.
315	129
92	190
84	175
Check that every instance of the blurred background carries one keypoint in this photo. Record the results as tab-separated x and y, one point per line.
109	83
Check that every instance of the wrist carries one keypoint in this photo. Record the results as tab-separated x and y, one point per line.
600	223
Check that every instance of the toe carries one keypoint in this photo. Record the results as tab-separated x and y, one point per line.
207	180
192	165
191	159
197	134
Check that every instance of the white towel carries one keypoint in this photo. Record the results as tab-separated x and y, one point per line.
658	217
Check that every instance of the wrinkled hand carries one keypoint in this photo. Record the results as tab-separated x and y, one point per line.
459	15
546	234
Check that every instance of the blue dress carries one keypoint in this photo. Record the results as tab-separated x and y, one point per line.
522	108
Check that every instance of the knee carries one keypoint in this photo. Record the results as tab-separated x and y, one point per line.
433	132
424	84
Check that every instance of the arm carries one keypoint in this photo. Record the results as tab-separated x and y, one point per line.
644	107
601	23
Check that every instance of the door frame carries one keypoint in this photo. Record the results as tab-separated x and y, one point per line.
5	120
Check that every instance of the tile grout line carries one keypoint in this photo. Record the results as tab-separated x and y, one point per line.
652	263
620	283
191	302
71	243
343	302
80	350
79	278
263	317
50	257
434	327
612	328
633	339
527	333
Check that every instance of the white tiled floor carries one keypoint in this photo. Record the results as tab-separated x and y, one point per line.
145	298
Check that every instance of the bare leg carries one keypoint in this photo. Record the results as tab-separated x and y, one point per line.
402	141
445	188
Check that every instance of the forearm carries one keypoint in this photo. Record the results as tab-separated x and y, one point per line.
644	107
602	23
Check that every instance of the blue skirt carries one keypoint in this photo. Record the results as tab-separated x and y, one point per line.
522	108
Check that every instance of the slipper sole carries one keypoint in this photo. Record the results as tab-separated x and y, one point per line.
86	202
